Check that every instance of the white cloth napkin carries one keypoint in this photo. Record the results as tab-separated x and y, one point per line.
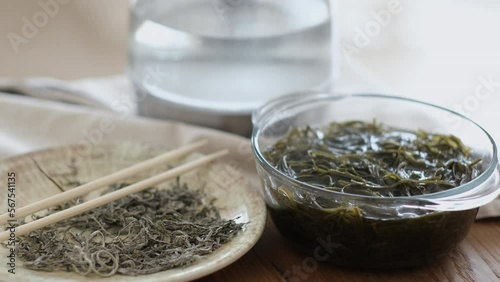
106	93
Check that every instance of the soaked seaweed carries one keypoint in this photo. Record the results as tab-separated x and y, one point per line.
147	232
371	159
348	235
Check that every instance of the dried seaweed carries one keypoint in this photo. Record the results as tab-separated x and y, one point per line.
147	232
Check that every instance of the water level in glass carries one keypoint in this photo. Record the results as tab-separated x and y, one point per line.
229	55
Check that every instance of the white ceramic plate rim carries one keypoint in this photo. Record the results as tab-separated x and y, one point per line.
205	265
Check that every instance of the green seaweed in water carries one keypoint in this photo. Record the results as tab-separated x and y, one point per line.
370	159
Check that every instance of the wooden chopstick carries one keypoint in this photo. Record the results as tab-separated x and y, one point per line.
101	182
113	196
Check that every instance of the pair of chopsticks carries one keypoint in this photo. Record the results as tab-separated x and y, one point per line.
110	197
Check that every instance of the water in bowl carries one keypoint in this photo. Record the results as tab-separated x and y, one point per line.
229	55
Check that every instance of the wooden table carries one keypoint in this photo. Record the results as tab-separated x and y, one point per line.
476	259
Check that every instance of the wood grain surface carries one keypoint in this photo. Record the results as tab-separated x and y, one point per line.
477	258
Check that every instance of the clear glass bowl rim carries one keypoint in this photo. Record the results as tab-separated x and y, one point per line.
260	119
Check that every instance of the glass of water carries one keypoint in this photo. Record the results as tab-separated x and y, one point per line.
201	60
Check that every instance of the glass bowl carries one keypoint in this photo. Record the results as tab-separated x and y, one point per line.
367	231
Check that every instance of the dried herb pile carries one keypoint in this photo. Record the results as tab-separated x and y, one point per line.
371	159
147	232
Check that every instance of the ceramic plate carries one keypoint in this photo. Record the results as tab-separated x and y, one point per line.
236	199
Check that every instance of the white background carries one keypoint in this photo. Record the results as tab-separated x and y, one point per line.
433	50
